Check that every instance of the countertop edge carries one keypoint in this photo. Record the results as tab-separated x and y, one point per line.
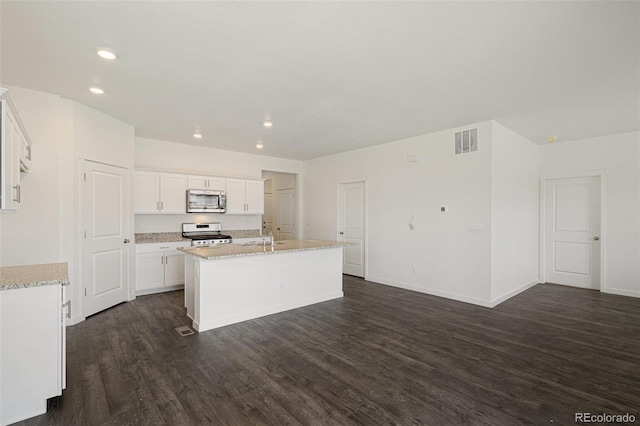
30	276
193	251
63	282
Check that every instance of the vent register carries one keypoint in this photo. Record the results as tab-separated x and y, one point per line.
466	141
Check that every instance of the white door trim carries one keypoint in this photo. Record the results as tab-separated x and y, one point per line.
366	218
80	225
603	216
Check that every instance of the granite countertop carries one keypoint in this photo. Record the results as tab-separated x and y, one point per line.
223	251
174	237
14	277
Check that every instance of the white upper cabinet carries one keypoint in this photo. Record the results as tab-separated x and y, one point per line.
206	182
157	192
147	192
245	196
15	153
173	193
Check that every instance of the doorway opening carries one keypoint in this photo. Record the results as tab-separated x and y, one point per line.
351	226
280	205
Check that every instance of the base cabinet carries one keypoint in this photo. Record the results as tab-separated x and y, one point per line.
159	267
32	351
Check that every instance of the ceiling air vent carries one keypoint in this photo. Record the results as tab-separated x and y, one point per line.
466	141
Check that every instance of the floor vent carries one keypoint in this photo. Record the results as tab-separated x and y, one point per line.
185	331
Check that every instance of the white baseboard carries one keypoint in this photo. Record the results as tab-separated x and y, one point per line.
621	292
432	292
509	295
159	290
221	322
74	320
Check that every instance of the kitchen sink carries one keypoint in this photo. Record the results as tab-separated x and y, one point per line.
256	244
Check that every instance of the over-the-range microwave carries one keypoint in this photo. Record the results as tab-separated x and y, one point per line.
205	201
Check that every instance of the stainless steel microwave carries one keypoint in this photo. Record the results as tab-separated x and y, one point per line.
204	201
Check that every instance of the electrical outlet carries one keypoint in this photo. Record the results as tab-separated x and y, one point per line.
140	225
414	270
282	286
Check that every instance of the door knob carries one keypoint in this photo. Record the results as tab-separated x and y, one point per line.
126	241
596	238
341	233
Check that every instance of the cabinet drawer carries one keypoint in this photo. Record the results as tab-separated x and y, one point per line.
160	247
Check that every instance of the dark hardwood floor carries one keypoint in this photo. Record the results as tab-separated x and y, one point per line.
380	355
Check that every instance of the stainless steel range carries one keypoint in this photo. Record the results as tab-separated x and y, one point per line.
205	234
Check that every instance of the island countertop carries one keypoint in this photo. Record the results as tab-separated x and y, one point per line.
223	251
14	277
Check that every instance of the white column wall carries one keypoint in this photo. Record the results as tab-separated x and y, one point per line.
515	198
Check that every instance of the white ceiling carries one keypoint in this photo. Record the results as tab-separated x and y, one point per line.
333	76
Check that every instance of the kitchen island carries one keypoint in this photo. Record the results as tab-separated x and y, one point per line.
230	283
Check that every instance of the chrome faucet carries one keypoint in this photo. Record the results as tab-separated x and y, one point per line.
271	237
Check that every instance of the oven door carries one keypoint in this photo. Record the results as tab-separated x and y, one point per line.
199	201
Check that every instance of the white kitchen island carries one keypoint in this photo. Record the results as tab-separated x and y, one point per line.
230	283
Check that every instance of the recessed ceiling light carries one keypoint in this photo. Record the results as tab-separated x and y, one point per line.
552	138
267	123
96	90
197	135
259	145
107	54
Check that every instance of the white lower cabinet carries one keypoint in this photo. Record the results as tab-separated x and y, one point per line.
32	350
159	267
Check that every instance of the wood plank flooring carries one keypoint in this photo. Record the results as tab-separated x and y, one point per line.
380	355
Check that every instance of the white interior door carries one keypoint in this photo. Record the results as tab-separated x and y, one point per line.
286	214
572	232
351	226
105	248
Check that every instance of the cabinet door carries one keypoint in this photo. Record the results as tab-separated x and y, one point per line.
149	270
236	196
254	197
197	182
217	184
8	166
147	192
173	268
25	154
173	193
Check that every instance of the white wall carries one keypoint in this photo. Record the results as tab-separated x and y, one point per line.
514	213
451	261
32	234
173	222
163	155
46	228
170	156
619	157
102	138
99	138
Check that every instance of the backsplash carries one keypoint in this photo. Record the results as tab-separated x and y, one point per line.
148	223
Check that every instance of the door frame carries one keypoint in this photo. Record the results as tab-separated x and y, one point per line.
78	230
602	174
366	218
